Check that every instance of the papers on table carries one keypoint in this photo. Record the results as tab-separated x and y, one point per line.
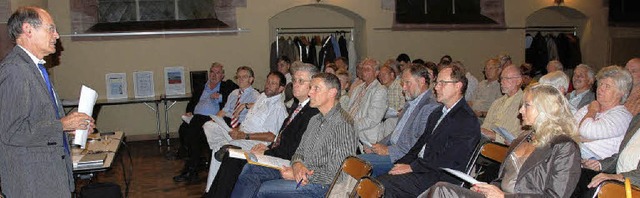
143	84
174	80
88	99
508	137
116	85
463	176
94	160
588	153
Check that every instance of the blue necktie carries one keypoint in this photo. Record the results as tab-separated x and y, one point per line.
45	74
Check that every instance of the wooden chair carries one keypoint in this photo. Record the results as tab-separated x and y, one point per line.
615	189
367	187
354	167
494	151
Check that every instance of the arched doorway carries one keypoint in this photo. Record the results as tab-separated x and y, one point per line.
551	22
321	16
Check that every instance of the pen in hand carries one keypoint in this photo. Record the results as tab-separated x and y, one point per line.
300	182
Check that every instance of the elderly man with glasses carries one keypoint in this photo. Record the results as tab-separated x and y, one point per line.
503	113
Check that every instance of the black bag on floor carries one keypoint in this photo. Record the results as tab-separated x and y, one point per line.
101	190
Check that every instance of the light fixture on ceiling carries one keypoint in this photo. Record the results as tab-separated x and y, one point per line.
558	2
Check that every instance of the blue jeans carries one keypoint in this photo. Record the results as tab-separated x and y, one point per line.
381	163
287	188
251	179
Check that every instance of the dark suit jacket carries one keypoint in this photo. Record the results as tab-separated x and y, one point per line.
609	164
552	170
226	87
292	134
586	99
450	145
33	160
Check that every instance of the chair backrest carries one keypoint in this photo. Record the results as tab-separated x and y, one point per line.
367	187
354	167
609	189
198	79
494	151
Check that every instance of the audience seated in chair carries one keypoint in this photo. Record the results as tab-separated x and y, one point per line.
488	90
451	135
368	103
329	138
200	107
543	163
411	124
583	80
616	167
261	125
603	122
286	143
503	113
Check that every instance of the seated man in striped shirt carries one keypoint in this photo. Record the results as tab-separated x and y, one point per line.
329	138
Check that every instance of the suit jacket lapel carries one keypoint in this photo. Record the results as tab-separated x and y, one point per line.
633	127
537	157
34	71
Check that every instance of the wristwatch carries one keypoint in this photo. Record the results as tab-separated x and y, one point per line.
246	136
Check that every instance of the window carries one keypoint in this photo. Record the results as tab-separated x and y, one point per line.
104	16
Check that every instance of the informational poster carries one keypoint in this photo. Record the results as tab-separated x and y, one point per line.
116	85
143	84
174	83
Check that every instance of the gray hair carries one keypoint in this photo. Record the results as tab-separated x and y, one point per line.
375	65
620	76
305	67
557	64
23	15
557	79
590	72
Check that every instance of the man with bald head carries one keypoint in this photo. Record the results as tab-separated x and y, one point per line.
503	112
34	151
633	102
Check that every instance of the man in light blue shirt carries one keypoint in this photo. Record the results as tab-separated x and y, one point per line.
413	120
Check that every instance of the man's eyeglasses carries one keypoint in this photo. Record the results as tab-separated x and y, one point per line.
509	78
299	81
243	77
442	82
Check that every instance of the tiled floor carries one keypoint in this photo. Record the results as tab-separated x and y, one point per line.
152	173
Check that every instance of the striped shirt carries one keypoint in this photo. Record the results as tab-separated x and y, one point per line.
329	139
606	131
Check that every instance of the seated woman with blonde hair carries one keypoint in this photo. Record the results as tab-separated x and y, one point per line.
544	162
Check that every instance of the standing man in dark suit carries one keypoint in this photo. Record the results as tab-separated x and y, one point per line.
451	135
34	151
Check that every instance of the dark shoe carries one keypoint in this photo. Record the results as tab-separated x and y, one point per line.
188	176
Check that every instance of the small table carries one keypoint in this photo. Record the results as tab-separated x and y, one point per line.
98	143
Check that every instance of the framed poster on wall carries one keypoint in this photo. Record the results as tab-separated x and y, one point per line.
174	83
143	84
116	85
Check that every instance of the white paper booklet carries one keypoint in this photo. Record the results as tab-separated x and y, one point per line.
463	176
267	161
88	99
237	153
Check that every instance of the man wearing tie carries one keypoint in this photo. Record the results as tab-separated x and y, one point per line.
451	135
34	151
